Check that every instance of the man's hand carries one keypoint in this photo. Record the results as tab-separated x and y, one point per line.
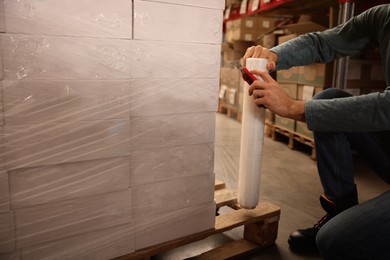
271	95
261	52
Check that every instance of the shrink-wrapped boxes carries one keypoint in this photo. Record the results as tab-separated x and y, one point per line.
85	18
107	127
174	22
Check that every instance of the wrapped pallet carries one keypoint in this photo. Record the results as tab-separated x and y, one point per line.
107	125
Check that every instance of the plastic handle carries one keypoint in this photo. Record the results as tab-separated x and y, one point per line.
247	76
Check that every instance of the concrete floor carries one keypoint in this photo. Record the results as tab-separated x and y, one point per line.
289	180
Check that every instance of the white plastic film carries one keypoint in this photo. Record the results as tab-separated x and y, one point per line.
251	150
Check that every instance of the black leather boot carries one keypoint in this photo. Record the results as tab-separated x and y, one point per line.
305	239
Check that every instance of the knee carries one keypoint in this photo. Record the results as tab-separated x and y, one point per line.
325	243
330	93
331	242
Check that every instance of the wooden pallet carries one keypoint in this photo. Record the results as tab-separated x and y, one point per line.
260	230
293	137
229	110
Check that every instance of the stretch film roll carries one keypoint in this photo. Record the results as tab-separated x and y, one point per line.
252	139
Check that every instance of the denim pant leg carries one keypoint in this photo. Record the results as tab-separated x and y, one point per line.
334	158
361	232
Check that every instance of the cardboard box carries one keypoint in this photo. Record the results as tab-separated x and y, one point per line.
4	192
172	96
99	245
301	128
268	41
1	64
239	34
229	54
316	75
235	50
167	196
286	123
58	220
1	119
42	185
288	76
230	77
48	144
155	229
7	232
152	132
48	101
2	17
248	22
174	60
148	166
177	23
290	89
267	24
57	57
12	255
308	92
2	149
232	96
87	18
242	29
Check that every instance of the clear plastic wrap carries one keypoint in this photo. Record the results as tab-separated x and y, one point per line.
148	166
252	141
29	102
58	57
98	18
173	22
2	18
199	3
174	60
172	96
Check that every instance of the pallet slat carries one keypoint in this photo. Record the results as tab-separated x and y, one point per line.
241	217
219	185
229	110
293	136
225	197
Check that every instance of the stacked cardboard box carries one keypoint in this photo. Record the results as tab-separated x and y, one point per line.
108	126
249	28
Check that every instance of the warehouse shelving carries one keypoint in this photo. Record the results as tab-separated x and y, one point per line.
334	12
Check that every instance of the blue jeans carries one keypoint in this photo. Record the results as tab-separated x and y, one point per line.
354	232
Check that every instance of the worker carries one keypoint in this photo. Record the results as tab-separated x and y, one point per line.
340	122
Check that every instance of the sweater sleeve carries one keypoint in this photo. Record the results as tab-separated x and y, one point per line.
351	114
366	113
352	37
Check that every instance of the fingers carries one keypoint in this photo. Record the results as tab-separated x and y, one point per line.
256	86
258	96
249	52
261	52
263	74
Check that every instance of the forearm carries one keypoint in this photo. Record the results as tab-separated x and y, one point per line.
297	111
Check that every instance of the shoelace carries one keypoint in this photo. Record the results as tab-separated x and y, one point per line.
322	221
